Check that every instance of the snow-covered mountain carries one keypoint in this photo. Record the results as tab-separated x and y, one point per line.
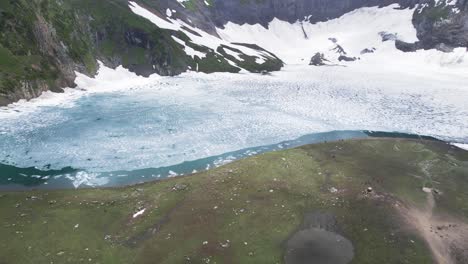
44	43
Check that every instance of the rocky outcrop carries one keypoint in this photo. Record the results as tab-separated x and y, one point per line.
439	24
43	43
367	51
262	12
346	58
318	60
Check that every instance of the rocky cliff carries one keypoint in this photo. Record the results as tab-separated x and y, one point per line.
43	43
440	24
263	11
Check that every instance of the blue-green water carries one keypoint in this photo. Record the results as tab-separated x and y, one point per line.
173	126
15	178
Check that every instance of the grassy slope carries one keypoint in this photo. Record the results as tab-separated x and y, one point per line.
20	58
87	30
260	200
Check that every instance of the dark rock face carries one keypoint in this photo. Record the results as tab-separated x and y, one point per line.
439	26
406	47
252	11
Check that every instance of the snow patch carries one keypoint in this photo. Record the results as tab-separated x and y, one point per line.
141	212
87	179
189	50
200	37
354	31
461	145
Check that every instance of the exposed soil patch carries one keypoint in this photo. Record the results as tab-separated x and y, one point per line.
317	242
447	237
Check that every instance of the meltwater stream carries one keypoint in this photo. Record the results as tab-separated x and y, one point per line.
171	126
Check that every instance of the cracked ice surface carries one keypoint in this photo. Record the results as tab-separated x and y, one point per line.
164	121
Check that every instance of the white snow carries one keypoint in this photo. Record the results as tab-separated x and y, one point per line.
106	80
87	179
461	145
141	212
234	54
160	22
189	50
354	31
201	38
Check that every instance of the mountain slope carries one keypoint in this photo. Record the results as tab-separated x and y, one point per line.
44	42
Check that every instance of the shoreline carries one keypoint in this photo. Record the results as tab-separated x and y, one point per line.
146	178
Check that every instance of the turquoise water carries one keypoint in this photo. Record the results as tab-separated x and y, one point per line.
15	178
179	125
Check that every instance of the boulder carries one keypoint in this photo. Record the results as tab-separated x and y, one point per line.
387	36
346	58
367	50
318	59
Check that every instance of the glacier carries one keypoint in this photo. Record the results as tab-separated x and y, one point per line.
169	120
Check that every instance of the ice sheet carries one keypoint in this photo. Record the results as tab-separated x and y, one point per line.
170	120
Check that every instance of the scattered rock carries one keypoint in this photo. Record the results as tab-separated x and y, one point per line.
60	253
334	40
226	244
179	187
387	36
346	58
366	51
338	49
318	59
427	190
369	189
333	190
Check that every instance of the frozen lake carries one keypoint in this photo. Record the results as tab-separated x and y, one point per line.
165	121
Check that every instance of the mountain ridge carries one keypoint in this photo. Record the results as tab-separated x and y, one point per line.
44	42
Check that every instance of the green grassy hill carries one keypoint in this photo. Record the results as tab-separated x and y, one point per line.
297	206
